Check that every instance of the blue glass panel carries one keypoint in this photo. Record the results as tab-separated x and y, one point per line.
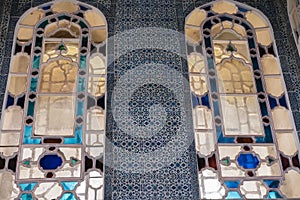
21	101
272	101
195	100
81	85
68	196
251	44
233	195
205	101
10	101
268	133
272	183
33	84
207	42
80	108
82	24
259	85
82	62
77	139
213	85
83	8
69	185
27	186
282	102
246	26
225	18
46	7
84	42
263	109
210	63
248	161
30	109
36	62
216	108
39	42
232	184
274	195
255	63
208	25
26	197
51	162
242	9
64	17
221	138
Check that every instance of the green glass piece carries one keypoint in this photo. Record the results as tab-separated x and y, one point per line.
225	161
230	47
62	47
270	160
26	162
74	161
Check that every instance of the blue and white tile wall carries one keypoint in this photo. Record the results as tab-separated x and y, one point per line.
146	79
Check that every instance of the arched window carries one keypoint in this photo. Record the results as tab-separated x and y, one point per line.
53	118
247	146
294	15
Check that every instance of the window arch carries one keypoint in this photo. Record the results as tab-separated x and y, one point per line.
53	118
246	142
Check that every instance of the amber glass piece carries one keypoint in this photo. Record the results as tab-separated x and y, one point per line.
54	49
193	34
235	77
270	65
224	7
17	85
25	34
94	18
68	7
99	35
59	77
225	49
256	20
33	18
264	36
63	29
196	17
20	63
274	86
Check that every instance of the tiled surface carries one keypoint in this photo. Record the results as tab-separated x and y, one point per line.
169	152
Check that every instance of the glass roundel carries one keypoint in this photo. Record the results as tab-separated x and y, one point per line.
244	131
53	120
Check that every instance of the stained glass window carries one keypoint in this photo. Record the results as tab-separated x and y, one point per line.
53	118
246	142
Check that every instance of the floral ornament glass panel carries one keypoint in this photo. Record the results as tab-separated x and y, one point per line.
52	135
246	140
